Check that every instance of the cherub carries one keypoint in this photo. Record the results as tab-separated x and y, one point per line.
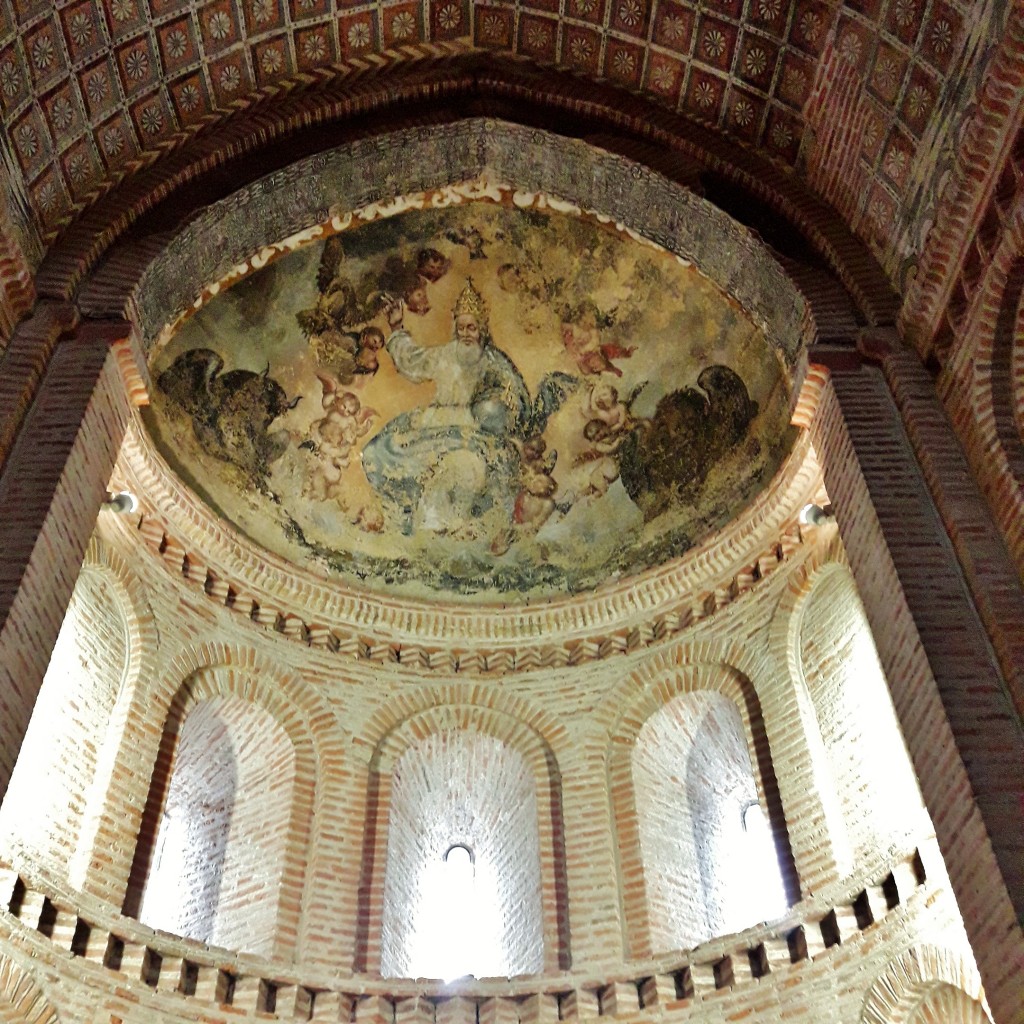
371	341
603	452
604	405
432	265
582	341
332	438
535	500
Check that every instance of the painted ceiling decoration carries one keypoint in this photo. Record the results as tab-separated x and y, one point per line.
477	390
854	95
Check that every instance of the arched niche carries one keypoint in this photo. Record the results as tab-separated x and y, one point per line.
47	803
458	775
868	765
222	842
710	867
479	912
239	734
698	819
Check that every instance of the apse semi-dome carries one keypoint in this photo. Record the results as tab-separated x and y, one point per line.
477	364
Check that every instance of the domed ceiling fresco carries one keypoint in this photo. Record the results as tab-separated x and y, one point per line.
483	398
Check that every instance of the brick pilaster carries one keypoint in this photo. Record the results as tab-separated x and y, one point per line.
52	483
959	726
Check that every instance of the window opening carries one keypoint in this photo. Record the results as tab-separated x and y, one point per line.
460	910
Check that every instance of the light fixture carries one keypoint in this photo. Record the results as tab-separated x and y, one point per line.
815	515
123	501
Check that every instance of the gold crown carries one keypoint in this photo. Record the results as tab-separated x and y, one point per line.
472	302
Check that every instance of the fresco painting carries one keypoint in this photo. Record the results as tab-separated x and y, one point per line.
486	401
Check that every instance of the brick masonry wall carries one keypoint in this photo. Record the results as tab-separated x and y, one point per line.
740	633
51	485
220	845
899	553
68	725
338	713
471	789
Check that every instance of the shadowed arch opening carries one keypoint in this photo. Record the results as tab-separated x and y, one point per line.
222	840
685	775
709	863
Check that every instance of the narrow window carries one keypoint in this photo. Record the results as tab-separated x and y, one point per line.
462	886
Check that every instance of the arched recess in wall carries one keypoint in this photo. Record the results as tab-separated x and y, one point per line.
221	854
927	985
21	999
462	776
90	861
50	803
703	846
868	764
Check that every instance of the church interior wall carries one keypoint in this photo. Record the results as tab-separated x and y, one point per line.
201	643
894	812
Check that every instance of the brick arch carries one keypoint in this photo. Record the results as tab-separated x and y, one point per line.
405	706
22	1001
1007	396
889	804
818	812
143	632
655	685
290	122
88	865
903	988
309	884
520	735
985	372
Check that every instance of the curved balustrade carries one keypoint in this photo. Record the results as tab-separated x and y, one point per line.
170	964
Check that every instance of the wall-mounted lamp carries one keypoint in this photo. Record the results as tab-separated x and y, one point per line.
121	502
815	515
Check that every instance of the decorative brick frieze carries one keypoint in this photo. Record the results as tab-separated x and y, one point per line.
195	977
974	201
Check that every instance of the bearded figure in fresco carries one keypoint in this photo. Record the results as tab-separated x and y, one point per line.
452	466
